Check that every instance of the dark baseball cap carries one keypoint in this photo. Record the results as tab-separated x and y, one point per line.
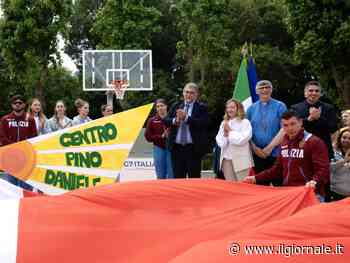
17	97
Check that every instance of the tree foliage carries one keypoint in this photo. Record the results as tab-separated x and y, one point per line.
198	40
126	24
78	34
322	36
213	33
28	32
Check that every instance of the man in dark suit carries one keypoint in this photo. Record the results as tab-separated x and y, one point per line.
319	118
188	140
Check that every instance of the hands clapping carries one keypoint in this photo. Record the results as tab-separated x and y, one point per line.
165	134
227	129
314	113
180	115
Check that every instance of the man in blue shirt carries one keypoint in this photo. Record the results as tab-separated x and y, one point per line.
265	118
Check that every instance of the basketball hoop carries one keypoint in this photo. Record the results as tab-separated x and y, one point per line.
119	87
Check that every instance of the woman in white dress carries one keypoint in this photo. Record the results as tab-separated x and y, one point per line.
233	138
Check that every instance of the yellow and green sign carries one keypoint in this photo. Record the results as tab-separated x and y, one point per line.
82	156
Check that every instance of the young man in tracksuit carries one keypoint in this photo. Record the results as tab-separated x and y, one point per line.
303	159
16	126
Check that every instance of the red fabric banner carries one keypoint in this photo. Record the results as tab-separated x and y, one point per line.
157	221
320	233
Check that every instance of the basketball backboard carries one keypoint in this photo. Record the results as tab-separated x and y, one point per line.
102	68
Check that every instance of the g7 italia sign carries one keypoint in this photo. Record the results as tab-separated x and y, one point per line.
78	157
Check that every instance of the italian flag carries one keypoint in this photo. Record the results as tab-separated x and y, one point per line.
241	91
156	221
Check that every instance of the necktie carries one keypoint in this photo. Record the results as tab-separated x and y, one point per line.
183	130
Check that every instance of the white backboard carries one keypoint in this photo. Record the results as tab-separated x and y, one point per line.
102	67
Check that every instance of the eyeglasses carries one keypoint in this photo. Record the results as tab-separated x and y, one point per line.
264	87
189	92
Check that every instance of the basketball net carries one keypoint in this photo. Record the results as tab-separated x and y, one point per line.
119	87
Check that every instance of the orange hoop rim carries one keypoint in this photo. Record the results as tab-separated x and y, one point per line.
119	87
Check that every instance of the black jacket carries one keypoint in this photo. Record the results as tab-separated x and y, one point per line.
198	125
324	126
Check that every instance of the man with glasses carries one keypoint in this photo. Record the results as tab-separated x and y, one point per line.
319	118
16	126
188	140
265	118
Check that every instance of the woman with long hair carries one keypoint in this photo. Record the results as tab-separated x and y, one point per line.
35	111
345	123
59	120
82	107
157	133
340	166
233	138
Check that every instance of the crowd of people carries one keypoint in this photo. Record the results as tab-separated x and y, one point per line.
24	123
267	144
21	123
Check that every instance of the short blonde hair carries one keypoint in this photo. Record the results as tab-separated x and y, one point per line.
240	109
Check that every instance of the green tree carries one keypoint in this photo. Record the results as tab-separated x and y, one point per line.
28	33
78	35
62	85
126	24
322	33
212	33
5	88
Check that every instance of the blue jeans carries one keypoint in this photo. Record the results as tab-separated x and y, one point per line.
162	163
320	198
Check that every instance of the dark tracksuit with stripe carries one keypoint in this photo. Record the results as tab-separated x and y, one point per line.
301	159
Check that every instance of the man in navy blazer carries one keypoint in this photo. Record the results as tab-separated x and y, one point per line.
188	140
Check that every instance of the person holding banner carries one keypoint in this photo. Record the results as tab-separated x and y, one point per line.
303	159
35	111
83	112
233	139
188	141
59	121
157	132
